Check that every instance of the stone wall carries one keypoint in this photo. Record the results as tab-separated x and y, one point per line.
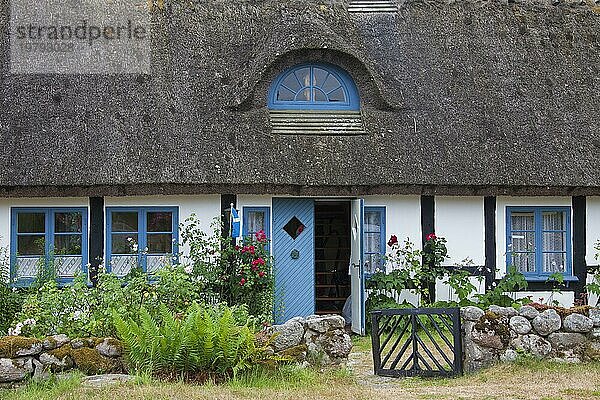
22	357
554	333
316	340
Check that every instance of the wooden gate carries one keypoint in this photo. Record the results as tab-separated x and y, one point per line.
417	342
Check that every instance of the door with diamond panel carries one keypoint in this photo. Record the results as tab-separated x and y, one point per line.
294	255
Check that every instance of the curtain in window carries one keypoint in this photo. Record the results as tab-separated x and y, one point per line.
554	241
523	241
372	241
256	222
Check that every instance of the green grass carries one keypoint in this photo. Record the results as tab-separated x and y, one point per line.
48	389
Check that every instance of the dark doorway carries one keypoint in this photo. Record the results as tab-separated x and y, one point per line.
332	256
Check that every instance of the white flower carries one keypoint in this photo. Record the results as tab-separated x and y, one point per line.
134	247
29	321
16	331
77	315
188	269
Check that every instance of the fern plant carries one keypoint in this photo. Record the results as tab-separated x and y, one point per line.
207	341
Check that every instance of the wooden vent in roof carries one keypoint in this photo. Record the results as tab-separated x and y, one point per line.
373	6
322	122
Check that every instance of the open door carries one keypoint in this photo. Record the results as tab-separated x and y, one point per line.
357	268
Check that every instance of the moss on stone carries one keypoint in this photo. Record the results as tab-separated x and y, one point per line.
296	353
91	362
61	352
10	345
562	311
496	324
113	342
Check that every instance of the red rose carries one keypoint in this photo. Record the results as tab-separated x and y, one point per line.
261	274
258	261
393	240
261	236
242	281
431	236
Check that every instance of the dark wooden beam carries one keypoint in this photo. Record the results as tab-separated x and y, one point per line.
489	215
427	227
96	237
579	241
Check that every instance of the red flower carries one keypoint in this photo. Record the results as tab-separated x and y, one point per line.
431	236
254	267
258	261
248	249
242	281
261	274
260	236
300	229
393	240
237	247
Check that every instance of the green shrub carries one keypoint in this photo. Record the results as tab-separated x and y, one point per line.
207	341
11	300
231	273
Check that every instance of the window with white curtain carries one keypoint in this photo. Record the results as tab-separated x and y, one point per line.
374	239
255	219
539	240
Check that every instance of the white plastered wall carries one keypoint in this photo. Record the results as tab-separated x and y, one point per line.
592	234
207	208
592	229
501	204
461	221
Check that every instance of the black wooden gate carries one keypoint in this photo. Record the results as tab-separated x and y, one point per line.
417	342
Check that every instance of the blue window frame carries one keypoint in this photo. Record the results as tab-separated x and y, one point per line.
141	237
256	219
538	241
317	86
374	239
48	237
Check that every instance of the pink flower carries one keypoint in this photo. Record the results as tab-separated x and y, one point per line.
261	237
261	274
248	249
393	240
431	236
258	261
242	281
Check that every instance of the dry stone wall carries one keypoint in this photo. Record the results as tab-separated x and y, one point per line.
317	340
23	357
504	333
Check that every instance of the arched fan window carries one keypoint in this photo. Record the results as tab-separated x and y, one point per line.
314	87
315	99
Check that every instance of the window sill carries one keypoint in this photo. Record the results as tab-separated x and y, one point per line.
546	278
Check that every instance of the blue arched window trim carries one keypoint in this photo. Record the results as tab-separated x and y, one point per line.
351	98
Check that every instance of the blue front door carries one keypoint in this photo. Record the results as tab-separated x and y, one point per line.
294	254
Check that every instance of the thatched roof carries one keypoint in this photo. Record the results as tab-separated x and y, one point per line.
461	98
